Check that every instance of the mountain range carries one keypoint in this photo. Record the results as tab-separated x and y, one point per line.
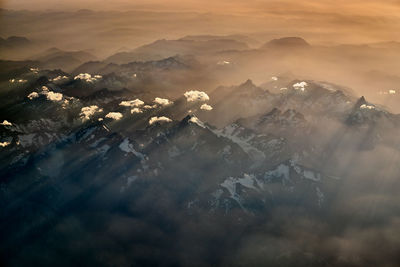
74	144
207	149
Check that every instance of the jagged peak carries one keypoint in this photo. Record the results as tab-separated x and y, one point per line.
361	101
192	119
187	118
274	111
248	83
293	114
277	116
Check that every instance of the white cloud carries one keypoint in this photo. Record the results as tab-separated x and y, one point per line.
87	77
132	103
223	62
4	144
365	106
59	78
6	123
65	103
206	107
18	81
148	107
33	95
162	101
114	115
194	95
136	111
159	119
83	76
300	86
52	96
87	112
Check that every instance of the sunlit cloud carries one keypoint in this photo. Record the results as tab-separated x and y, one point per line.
114	115
161	119
88	112
6	123
162	101
33	95
87	77
136	111
196	96
206	107
4	144
300	86
132	103
52	96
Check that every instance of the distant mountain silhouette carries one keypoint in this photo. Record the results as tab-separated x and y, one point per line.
288	42
14	42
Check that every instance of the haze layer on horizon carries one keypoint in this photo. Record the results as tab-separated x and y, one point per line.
360	21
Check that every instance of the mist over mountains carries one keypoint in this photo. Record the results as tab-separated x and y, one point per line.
162	138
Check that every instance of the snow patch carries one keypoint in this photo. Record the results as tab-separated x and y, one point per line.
232	132
195	120
230	184
316	177
129	181
282	171
127	147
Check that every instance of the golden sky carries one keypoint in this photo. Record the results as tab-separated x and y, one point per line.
360	7
377	19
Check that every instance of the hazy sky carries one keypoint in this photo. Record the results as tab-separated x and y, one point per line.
356	7
343	20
